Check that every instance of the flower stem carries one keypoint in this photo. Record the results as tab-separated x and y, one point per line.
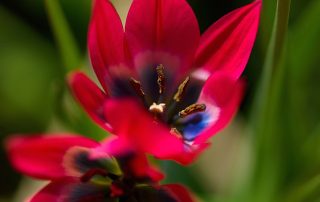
275	50
63	35
267	113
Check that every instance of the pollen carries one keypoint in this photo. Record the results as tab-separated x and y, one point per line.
178	96
157	108
194	108
161	78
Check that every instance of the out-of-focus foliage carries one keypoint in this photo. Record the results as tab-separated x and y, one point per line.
270	153
28	67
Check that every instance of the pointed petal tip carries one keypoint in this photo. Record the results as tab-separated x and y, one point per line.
73	76
258	3
227	44
106	41
90	96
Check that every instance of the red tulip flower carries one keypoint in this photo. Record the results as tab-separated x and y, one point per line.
166	89
80	172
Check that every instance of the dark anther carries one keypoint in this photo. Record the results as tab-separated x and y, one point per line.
97	171
192	109
137	86
161	78
178	96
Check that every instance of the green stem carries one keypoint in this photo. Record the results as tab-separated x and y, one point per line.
266	113
304	191
275	49
68	49
67	44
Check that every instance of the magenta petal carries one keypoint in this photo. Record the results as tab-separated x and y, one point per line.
181	193
136	127
42	156
192	153
137	131
141	168
227	44
90	97
106	41
222	95
72	190
54	191
115	146
162	28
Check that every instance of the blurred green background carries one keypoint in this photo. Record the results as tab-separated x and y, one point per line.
271	151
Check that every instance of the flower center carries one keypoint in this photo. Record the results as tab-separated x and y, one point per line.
119	185
97	171
168	111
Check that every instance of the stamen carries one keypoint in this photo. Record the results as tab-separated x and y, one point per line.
176	132
194	108
178	96
137	86
157	108
161	78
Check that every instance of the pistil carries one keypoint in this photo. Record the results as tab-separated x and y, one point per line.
157	108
